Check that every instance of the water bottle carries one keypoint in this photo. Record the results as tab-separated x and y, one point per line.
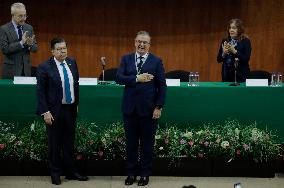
273	79
191	79
196	78
279	79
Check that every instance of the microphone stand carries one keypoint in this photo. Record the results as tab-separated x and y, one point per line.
103	82
103	73
236	66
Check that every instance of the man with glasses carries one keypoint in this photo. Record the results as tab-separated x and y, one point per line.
17	40
143	75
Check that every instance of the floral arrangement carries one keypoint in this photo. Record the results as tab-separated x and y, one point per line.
229	140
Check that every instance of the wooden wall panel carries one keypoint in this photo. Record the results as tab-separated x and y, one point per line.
185	33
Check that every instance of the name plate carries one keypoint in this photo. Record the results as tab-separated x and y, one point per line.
173	82
24	80
256	82
88	81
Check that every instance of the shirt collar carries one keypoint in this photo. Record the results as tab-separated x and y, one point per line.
144	56
58	62
14	24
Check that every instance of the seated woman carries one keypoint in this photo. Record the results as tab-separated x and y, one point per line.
235	51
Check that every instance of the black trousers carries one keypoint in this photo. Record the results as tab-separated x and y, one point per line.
61	135
140	138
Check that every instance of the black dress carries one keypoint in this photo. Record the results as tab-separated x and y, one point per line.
243	48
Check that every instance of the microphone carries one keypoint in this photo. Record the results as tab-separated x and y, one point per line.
103	61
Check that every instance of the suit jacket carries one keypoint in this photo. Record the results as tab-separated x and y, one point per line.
15	57
49	87
243	48
141	97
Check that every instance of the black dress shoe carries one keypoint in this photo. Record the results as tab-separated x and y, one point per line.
76	176
130	180
55	180
144	180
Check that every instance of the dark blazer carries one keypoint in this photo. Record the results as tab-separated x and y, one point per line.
142	97
49	86
15	57
243	48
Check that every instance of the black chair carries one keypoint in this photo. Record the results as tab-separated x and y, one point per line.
178	74
33	71
260	74
110	74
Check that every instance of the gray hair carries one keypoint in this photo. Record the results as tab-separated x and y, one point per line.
16	6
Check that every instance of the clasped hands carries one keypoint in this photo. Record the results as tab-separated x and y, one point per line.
144	77
26	40
228	48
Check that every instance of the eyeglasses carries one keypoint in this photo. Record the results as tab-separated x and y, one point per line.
142	42
60	49
22	16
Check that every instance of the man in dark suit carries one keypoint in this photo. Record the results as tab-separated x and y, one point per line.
57	101
143	75
17	40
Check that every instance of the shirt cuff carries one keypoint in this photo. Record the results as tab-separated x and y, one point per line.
22	44
159	107
45	113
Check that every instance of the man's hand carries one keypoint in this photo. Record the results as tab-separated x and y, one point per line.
157	113
25	37
48	118
145	77
30	40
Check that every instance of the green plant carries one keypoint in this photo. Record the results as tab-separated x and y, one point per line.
25	143
230	140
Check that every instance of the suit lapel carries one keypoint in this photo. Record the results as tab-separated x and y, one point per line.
55	69
71	67
133	62
146	63
13	32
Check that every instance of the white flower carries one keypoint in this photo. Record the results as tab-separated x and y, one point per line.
199	132
225	144
161	148
188	134
237	132
12	138
256	134
104	141
32	127
158	137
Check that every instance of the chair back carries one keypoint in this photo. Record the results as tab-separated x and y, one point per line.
110	74
178	74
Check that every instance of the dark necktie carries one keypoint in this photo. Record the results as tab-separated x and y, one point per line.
66	85
140	63
20	33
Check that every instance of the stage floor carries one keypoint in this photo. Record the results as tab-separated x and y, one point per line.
155	182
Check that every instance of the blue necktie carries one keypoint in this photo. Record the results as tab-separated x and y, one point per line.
19	27
66	84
